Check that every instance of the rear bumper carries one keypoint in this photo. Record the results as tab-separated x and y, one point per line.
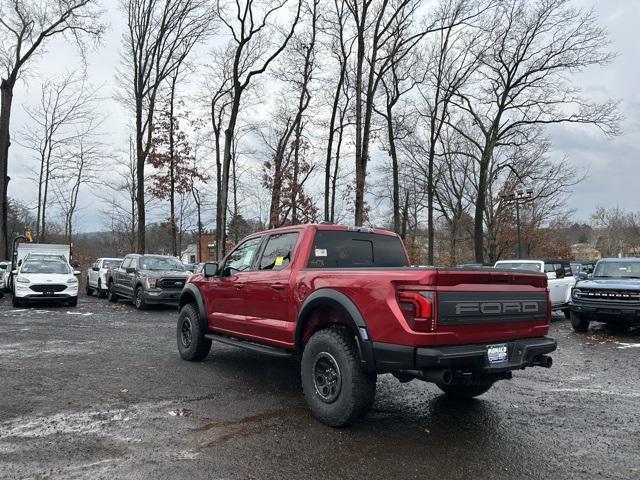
521	353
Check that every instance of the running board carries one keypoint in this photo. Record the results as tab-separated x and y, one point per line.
256	347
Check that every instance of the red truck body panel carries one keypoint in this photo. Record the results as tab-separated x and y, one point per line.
263	305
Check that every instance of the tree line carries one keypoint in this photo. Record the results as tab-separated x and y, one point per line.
423	117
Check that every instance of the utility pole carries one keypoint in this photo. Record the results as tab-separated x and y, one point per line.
518	197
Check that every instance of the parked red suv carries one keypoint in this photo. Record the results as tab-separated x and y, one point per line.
346	302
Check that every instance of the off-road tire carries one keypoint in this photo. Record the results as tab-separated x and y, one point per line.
16	302
111	293
567	313
357	389
138	298
464	392
72	302
88	290
196	347
579	323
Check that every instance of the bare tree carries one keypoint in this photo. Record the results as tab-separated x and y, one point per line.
524	81
57	122
25	29
160	36
255	45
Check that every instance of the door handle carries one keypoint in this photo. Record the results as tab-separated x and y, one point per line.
277	286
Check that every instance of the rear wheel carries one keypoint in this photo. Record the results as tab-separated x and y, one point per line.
192	345
101	292
464	391
111	293
579	323
567	313
335	388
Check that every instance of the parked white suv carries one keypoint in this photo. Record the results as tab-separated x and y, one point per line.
43	278
97	276
559	274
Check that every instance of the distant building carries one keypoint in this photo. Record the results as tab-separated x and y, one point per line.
206	252
584	252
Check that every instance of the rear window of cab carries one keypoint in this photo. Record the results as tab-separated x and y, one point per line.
347	249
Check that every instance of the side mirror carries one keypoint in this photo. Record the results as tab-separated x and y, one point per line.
14	272
19	262
581	276
130	270
77	272
589	276
210	269
95	269
551	275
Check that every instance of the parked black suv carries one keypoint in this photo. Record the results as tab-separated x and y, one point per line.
611	296
148	279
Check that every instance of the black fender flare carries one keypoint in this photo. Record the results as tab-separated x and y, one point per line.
336	299
189	292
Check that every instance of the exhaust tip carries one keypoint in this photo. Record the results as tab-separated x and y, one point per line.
544	361
447	377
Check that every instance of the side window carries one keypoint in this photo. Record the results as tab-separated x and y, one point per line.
277	253
126	263
241	258
559	270
134	262
568	270
549	267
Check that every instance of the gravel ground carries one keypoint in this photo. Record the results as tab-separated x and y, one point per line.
99	391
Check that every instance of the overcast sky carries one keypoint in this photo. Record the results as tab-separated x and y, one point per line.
613	165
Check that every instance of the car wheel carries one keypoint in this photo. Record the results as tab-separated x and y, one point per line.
72	302
100	292
192	344
16	302
464	392
567	313
88	289
335	388
138	299
111	293
579	323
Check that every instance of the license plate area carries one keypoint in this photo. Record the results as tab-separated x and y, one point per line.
48	293
497	353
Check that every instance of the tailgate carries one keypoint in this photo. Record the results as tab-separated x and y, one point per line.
491	305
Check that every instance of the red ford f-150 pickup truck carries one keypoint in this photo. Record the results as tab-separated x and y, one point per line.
346	302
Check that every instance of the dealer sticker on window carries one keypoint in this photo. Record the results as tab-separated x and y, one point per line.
497	353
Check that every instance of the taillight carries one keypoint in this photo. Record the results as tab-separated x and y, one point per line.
418	309
549	306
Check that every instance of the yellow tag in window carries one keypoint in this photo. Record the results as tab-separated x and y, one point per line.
279	261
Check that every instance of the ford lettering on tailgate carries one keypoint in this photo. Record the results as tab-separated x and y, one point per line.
460	308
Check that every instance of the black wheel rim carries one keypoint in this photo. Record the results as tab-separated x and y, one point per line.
186	335
327	378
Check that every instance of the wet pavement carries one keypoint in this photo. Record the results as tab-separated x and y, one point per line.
100	392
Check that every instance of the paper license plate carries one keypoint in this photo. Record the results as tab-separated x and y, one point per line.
48	293
497	353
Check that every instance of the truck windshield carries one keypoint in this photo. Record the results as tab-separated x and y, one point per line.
161	263
346	249
532	267
54	266
110	263
621	269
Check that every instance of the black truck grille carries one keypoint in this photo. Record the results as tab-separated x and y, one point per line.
48	288
168	283
613	295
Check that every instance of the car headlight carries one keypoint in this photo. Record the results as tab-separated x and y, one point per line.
576	292
72	280
152	282
23	280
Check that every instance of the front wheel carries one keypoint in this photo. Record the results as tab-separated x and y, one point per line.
101	292
579	323
88	289
335	388
192	344
567	313
463	392
16	302
138	299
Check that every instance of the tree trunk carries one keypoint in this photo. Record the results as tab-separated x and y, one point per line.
481	201
328	207
172	168
394	170
140	161
6	99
